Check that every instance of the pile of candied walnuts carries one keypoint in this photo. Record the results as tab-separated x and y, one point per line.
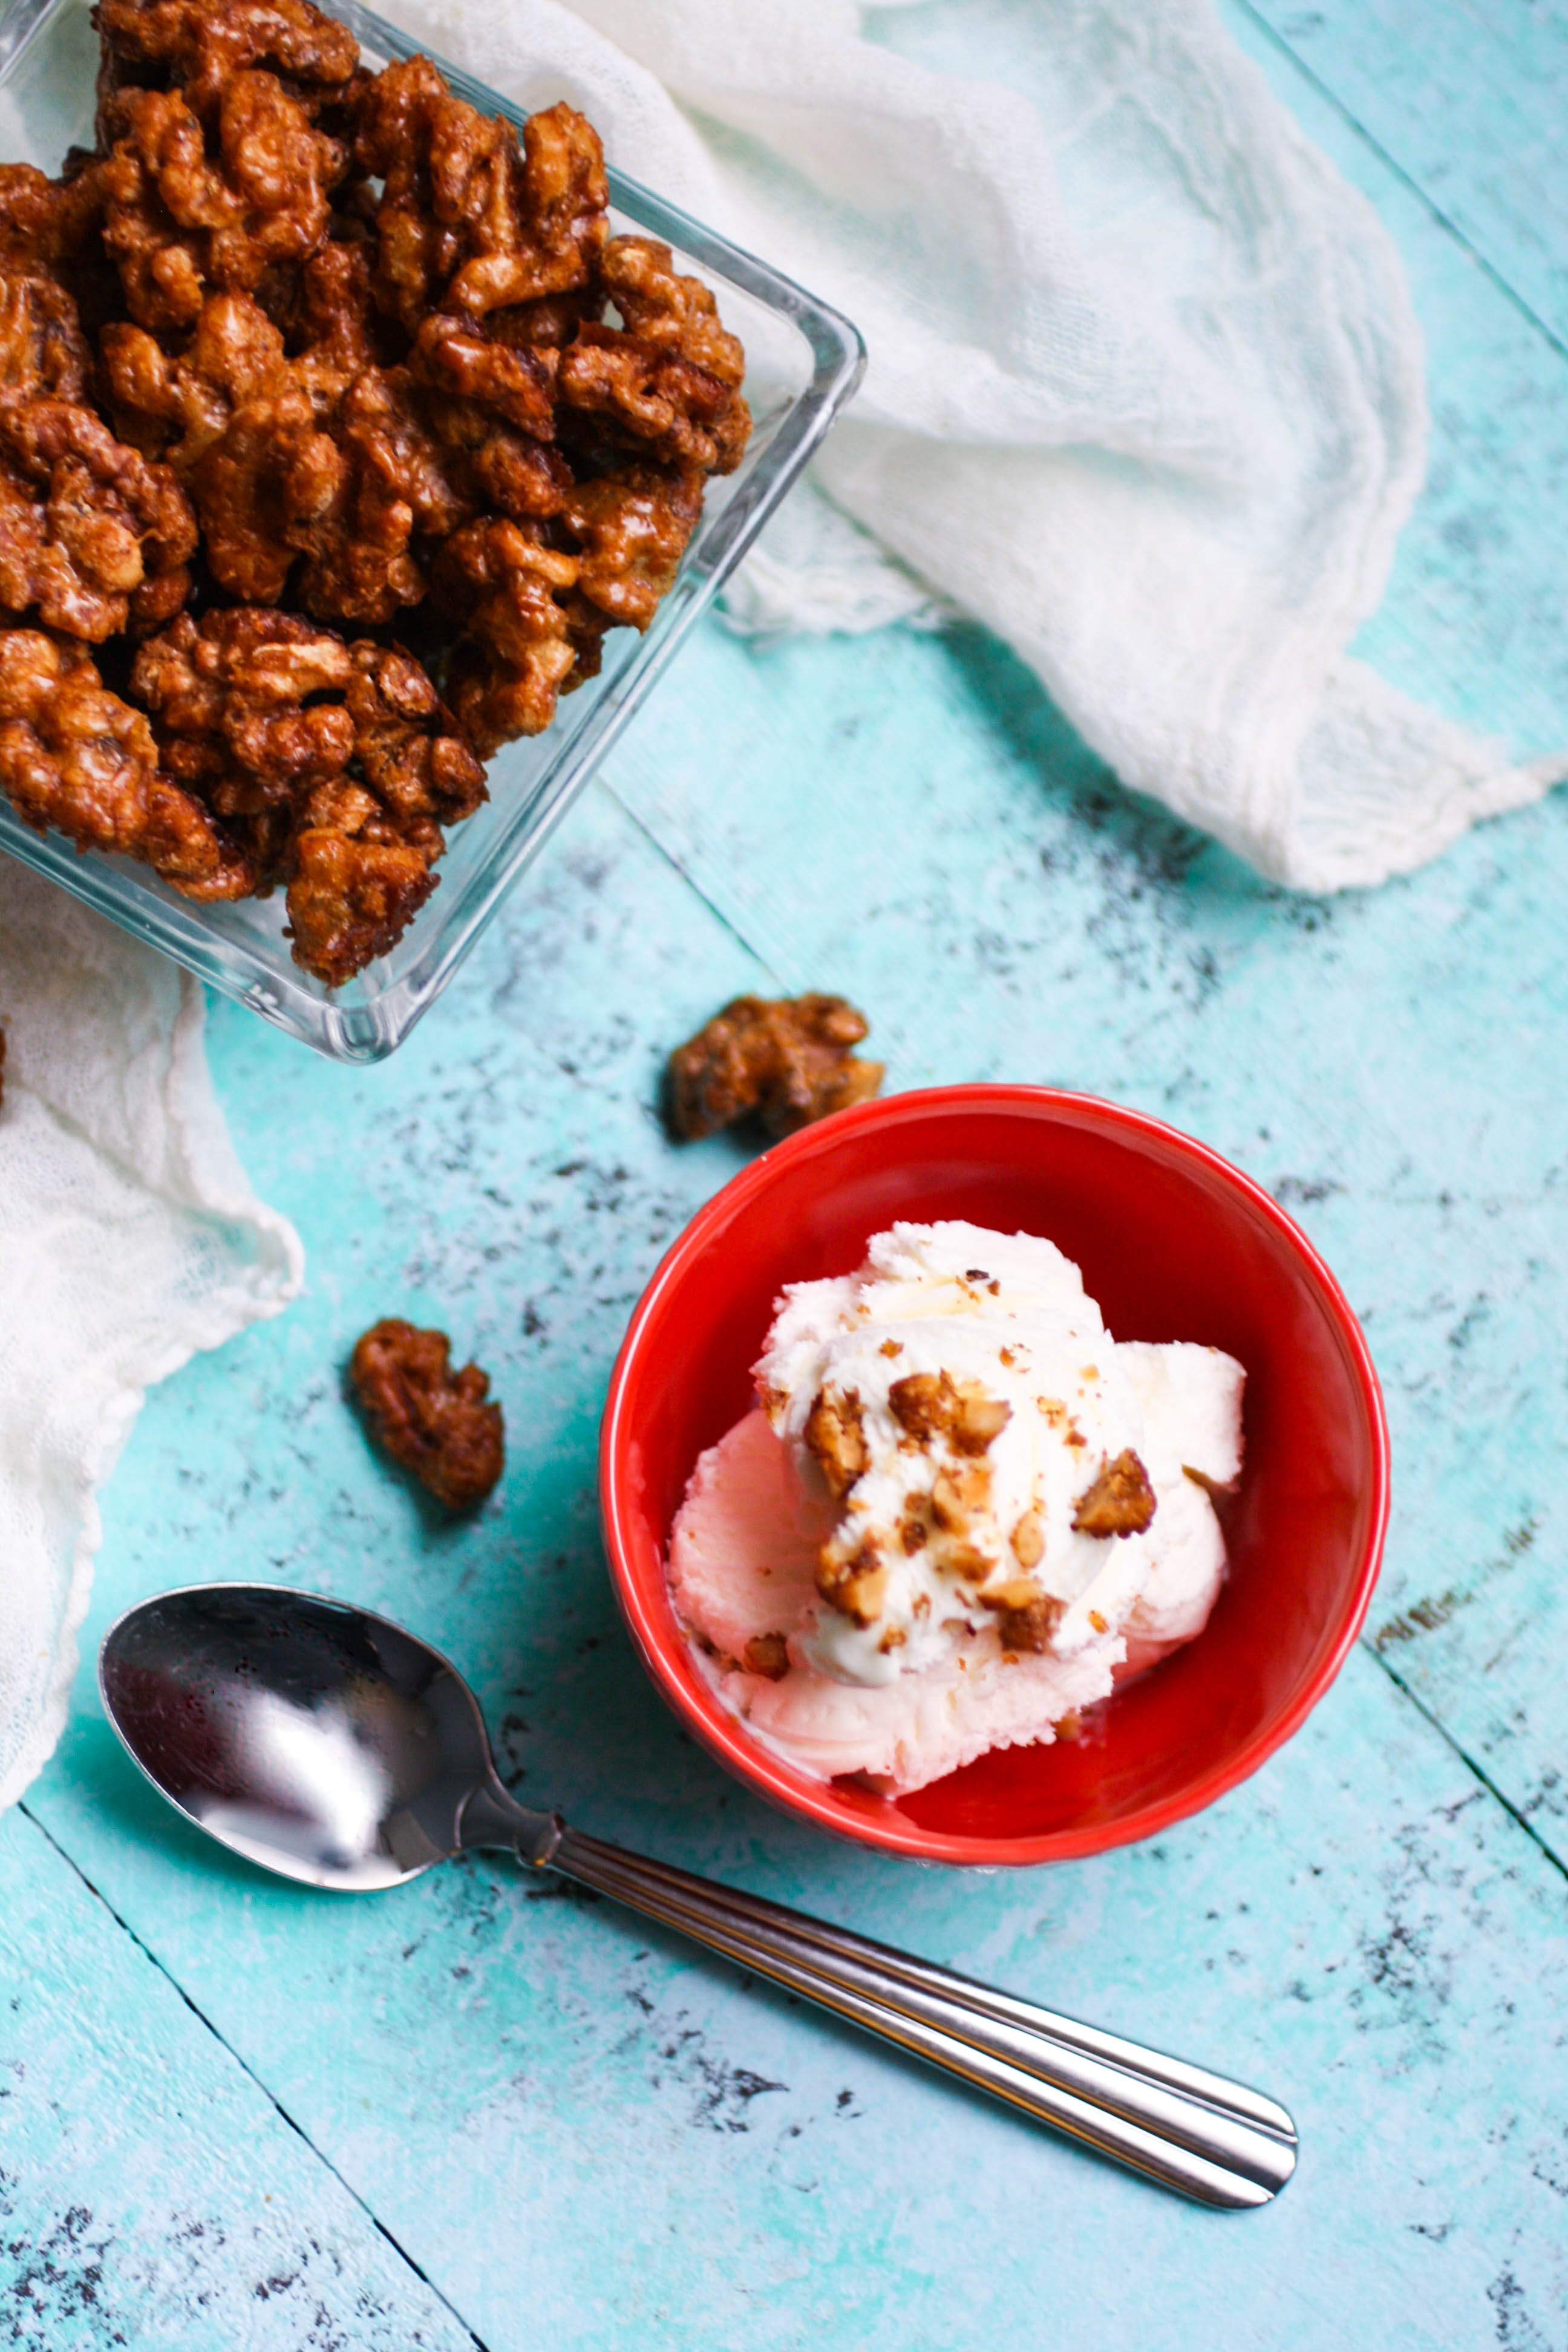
335	432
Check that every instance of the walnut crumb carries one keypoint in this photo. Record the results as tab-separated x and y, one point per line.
1030	1627
1120	1503
435	1421
858	1586
836	1439
892	1348
1101	1624
1029	1540
767	1654
934	1404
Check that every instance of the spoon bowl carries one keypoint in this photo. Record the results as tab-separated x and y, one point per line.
329	1746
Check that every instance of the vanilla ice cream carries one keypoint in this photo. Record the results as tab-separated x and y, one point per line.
961	1513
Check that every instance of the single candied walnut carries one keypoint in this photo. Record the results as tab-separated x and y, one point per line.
855	1585
364	498
788	1058
433	1421
764	1653
92	538
835	1437
631	529
354	887
467	220
75	757
1120	1503
501	583
198	45
178	224
669	379
934	1404
42	347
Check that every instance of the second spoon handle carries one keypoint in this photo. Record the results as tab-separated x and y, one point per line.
1212	2139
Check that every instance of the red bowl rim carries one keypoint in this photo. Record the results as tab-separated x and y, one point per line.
724	1734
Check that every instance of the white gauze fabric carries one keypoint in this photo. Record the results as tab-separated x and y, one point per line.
129	1238
1145	386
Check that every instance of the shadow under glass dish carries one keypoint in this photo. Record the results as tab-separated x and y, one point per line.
803	361
332	1746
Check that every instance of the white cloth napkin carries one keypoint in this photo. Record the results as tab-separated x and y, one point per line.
128	1239
1145	386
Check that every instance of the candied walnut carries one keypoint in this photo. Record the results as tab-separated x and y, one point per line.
75	757
353	887
836	1438
432	1420
958	1498
934	1404
47	224
1023	1623
632	530
856	1586
91	537
788	1058
1120	1503
361	497
467	220
669	379
178	223
764	1653
42	347
198	45
501	582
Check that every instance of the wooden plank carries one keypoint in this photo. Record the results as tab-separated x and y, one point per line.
584	2135
150	2190
1466	99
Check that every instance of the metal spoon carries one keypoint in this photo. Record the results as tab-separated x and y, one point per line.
332	1746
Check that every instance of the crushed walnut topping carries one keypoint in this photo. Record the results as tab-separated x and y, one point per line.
934	1404
767	1654
836	1439
1120	1503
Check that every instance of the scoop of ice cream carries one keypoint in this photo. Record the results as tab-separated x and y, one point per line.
977	1510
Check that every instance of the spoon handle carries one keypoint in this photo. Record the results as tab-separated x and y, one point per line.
1213	2140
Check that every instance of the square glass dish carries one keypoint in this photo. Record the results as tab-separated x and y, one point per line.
803	361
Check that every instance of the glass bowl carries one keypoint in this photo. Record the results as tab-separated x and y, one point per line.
803	361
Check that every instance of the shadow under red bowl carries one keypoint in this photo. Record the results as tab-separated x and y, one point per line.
1174	1244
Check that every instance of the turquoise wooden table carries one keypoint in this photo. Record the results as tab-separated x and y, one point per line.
236	2115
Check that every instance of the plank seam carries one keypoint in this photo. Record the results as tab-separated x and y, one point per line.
640	824
1406	179
249	2072
1558	1862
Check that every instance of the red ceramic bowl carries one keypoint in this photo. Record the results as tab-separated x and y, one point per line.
1175	1244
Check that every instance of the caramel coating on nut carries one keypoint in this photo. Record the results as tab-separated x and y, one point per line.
437	1422
75	757
788	1059
1121	1502
768	1655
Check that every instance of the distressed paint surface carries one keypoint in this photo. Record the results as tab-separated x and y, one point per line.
583	2135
